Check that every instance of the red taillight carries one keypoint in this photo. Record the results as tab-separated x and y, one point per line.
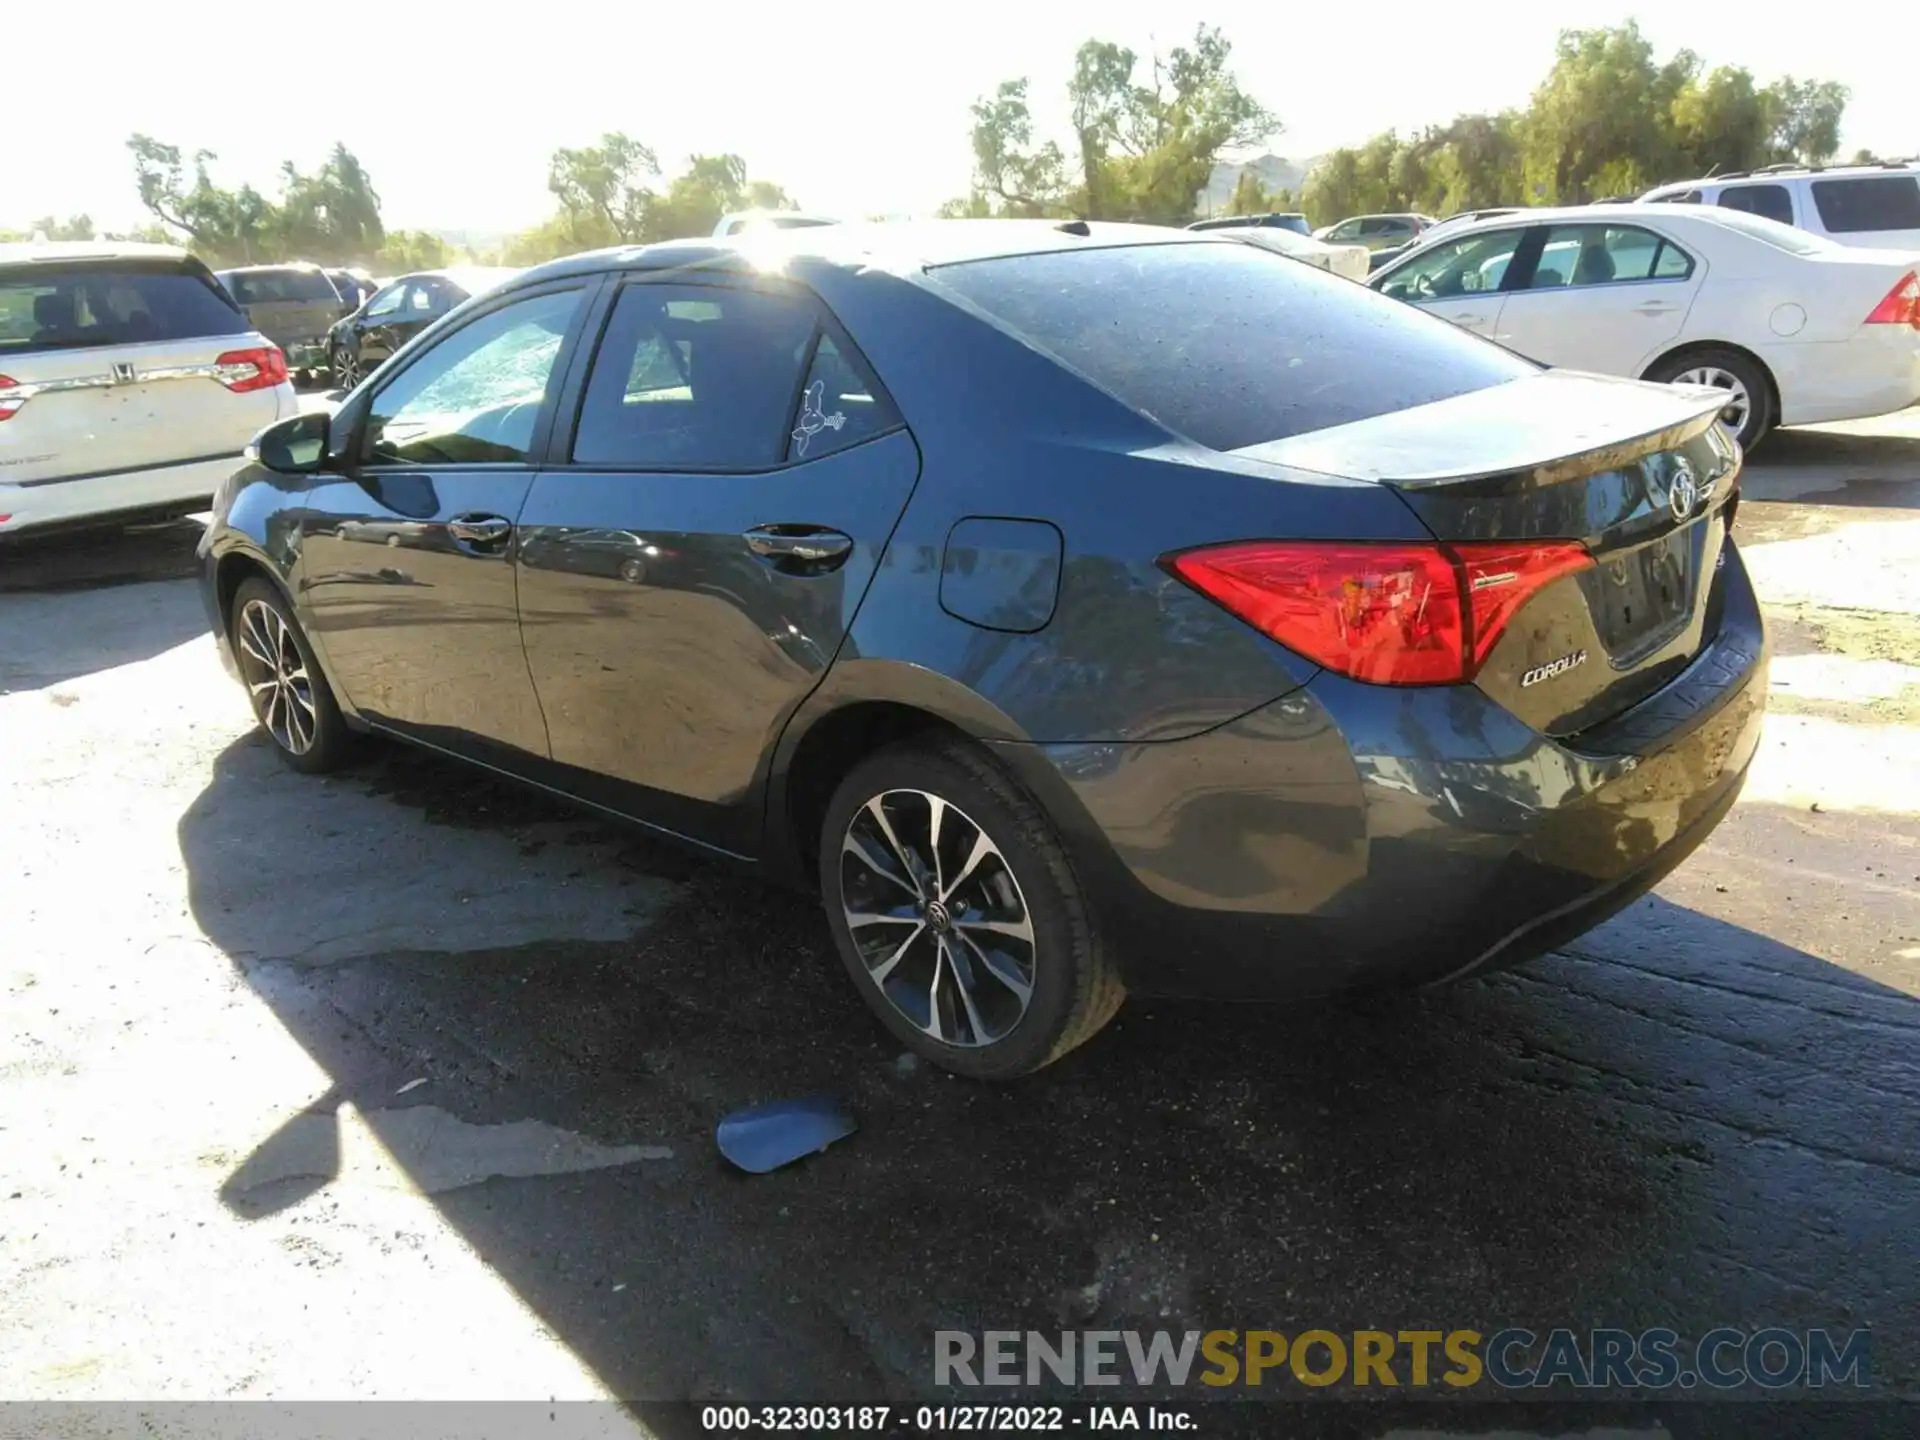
9	403
1388	614
1902	305
244	370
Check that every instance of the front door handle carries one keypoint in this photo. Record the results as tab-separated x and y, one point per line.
482	531
1656	308
800	547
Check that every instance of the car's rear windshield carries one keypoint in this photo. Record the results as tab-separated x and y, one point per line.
1228	344
48	306
258	287
1860	204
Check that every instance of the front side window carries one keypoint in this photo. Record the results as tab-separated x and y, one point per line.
1471	265
473	398
692	377
1346	230
387	301
1771	202
1868	202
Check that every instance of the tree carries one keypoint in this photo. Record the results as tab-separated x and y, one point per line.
74	227
1807	117
1018	177
1145	145
1249	196
405	250
333	215
604	191
1605	104
1609	119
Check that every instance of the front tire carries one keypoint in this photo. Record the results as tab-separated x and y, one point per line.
346	374
290	696
1749	412
958	916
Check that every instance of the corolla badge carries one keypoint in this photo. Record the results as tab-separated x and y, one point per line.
1553	668
1683	491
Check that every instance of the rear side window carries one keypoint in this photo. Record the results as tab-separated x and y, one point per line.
1769	201
1227	344
1869	202
694	377
260	287
61	307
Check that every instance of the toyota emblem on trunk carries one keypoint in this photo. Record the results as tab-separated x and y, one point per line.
1683	493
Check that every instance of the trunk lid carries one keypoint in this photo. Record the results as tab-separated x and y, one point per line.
1640	474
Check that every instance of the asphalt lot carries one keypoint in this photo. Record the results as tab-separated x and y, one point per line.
403	1084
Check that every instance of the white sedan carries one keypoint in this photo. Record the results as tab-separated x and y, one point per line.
1794	327
1351	261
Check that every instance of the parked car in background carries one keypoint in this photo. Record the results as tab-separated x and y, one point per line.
1463	219
130	382
1793	327
293	306
399	310
1276	220
1874	206
1230	629
352	290
1376	232
745	220
1351	261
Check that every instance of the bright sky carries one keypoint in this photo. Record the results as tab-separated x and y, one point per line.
856	106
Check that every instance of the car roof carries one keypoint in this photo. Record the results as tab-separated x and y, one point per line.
1771	173
304	265
893	244
15	252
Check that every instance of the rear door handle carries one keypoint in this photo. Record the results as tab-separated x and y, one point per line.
1656	308
481	531
800	547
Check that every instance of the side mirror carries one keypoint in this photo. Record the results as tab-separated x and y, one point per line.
292	447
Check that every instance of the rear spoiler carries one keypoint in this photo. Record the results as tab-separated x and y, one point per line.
1556	424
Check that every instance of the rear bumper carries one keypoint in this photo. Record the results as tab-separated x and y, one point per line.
1874	373
129	492
1349	835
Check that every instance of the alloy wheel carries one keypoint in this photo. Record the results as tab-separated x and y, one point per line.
276	677
937	917
346	370
1739	403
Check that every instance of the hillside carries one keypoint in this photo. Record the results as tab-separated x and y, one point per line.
1275	172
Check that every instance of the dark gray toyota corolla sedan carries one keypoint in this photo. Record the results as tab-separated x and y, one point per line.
1081	609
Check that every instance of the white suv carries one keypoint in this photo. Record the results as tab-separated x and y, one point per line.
1876	206
130	383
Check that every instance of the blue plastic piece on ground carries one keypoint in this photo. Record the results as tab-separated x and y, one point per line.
765	1137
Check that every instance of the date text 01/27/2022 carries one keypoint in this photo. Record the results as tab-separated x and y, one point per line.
935	1419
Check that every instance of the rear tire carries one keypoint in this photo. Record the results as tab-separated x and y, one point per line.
1750	414
976	952
289	694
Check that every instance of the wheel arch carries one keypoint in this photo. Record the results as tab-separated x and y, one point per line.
864	706
1701	347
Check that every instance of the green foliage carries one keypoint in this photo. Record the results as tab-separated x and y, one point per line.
1146	136
608	194
332	216
405	250
74	227
1249	197
1610	118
